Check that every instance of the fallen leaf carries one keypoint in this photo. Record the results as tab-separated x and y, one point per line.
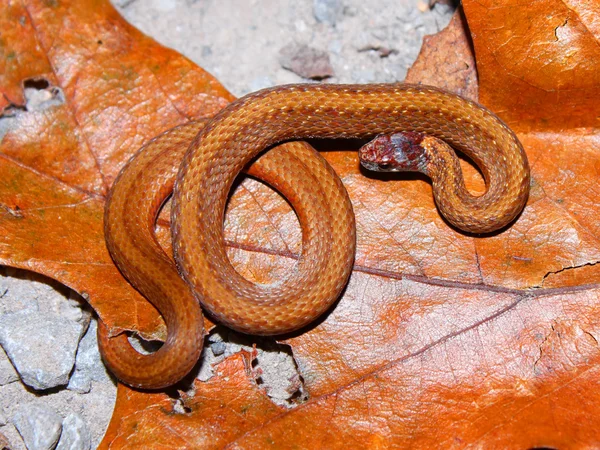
450	52
441	339
164	422
120	89
547	53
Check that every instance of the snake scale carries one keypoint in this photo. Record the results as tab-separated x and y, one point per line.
199	162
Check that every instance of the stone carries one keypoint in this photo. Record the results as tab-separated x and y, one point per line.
41	347
308	62
39	426
80	382
88	363
75	434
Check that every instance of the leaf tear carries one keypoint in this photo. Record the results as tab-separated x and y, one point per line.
145	347
274	368
39	95
180	406
14	212
564	269
558	29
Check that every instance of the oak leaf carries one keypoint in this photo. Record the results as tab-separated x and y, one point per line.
441	339
108	90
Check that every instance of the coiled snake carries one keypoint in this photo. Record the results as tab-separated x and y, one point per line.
222	147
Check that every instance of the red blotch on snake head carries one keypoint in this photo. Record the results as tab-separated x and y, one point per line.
396	152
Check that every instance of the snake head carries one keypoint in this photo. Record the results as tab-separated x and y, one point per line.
395	152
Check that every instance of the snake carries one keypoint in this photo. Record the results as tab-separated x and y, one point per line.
412	127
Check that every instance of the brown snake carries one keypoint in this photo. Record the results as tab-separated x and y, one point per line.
223	147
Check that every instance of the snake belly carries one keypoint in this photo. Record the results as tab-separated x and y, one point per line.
225	146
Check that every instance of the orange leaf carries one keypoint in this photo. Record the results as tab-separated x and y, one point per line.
440	339
120	89
147	419
547	53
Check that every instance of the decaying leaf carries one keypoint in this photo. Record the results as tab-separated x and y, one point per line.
441	339
450	53
547	53
120	89
172	422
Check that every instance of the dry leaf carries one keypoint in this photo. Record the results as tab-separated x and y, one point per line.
547	52
159	421
57	160
440	340
450	52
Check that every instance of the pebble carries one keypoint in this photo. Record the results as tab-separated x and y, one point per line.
39	426
88	363
41	347
40	329
308	62
75	434
328	11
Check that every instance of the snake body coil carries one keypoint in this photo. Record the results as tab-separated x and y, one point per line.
224	147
